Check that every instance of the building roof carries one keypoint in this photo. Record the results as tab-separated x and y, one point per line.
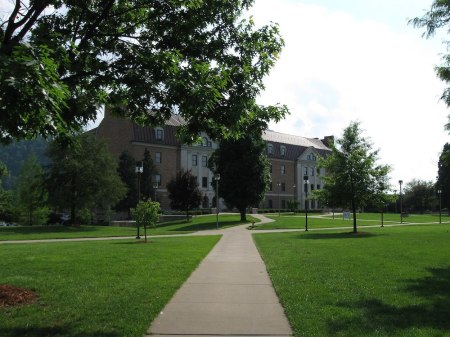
277	137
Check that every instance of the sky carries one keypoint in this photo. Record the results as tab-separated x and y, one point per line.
349	60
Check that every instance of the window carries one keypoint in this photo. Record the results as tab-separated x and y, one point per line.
205	182
308	157
305	171
159	134
283	169
318	187
312	171
270	203
283	187
204	161
158	179
283	203
269	149
194	160
283	150
158	157
312	188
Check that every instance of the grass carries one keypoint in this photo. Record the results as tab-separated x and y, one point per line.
384	282
327	221
66	232
96	289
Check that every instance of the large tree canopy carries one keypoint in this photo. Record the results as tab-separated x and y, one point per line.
438	17
244	171
61	59
353	177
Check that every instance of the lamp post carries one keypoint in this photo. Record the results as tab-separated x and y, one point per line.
155	186
440	205
217	178
139	170
279	200
401	204
306	181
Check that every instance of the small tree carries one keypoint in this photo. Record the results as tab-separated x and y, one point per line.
292	205
146	214
184	193
31	194
353	178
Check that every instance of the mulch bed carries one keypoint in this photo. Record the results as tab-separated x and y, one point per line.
12	296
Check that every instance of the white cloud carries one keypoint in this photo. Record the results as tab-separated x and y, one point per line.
336	68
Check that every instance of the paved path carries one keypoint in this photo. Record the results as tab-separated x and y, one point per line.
229	294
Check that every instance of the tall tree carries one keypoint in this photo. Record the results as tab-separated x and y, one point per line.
244	171
31	194
443	181
149	170
83	175
61	60
420	195
184	193
127	173
436	18
353	177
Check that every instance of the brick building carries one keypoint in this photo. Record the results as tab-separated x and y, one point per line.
291	158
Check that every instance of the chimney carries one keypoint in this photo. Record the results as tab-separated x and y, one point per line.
328	141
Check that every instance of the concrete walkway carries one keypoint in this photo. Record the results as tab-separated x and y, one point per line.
229	294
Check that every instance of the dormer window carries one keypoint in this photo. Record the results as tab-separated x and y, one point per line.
159	133
269	149
283	150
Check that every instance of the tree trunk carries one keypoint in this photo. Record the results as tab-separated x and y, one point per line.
243	214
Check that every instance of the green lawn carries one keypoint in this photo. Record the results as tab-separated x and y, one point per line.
65	232
96	289
363	219
384	282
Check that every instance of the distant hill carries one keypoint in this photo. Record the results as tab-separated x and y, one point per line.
15	154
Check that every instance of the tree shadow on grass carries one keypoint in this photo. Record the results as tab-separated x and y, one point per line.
342	235
189	227
433	312
40	331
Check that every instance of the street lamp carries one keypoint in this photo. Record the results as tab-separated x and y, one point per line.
401	204
279	201
306	181
217	178
440	205
139	170
155	186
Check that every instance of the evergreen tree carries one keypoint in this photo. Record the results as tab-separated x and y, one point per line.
149	170
83	176
353	177
244	171
184	193
31	194
127	173
443	182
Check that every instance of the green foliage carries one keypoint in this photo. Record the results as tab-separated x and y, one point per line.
420	196
15	154
146	213
244	171
127	173
184	193
197	58
443	181
83	175
149	170
436	18
31	194
353	178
